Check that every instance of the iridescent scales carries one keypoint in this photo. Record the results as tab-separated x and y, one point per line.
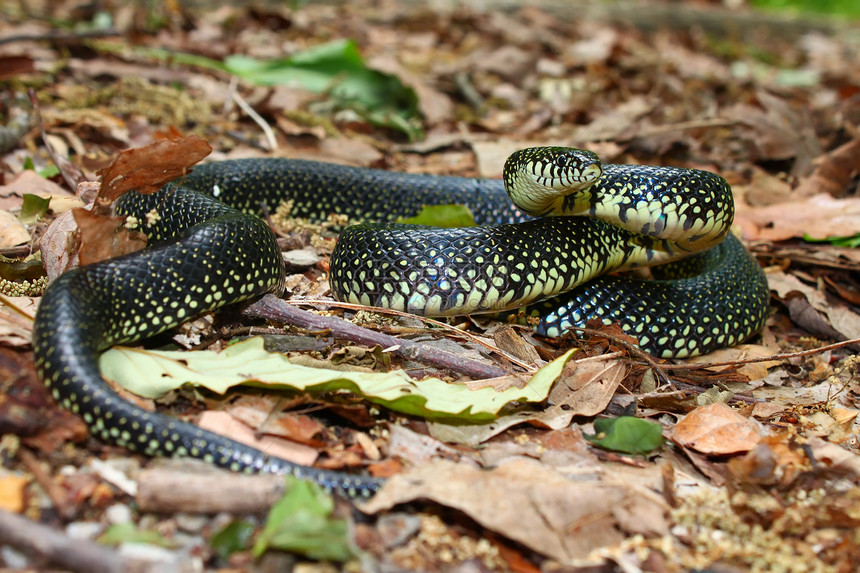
207	255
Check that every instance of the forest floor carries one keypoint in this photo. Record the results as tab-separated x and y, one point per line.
756	461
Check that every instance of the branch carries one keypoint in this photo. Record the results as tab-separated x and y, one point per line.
271	307
45	543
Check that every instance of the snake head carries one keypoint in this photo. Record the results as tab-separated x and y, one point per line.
538	178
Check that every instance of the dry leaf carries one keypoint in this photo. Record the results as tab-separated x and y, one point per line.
834	171
843	320
820	216
103	237
584	389
716	429
226	425
774	460
836	459
147	169
28	181
257	412
12	231
531	504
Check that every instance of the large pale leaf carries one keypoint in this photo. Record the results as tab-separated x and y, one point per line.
153	373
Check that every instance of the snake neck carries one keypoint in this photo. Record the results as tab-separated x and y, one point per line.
682	210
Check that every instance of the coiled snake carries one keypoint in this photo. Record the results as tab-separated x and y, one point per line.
206	254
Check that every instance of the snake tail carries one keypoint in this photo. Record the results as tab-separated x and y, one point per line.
89	309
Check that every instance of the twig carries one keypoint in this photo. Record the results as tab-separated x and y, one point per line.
173	488
686	125
55	492
70	173
771	358
633	348
426	320
16	252
59	36
46	543
271	307
252	113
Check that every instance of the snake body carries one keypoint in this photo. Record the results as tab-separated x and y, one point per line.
205	254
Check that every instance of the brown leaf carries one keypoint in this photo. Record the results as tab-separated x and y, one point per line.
12	231
840	317
780	131
619	122
586	386
834	171
523	500
509	340
836	459
774	460
16	321
716	429
584	389
819	216
103	237
147	169
257	413
28	181
763	189
11	66
225	424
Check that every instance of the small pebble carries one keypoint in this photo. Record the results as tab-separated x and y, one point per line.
84	529
12	559
397	528
167	559
302	257
118	513
191	523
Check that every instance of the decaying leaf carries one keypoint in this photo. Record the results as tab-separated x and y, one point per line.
103	237
584	389
226	424
148	168
716	429
563	518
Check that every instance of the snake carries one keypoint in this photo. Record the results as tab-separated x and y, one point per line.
209	248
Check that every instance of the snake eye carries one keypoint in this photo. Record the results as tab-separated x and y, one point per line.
561	160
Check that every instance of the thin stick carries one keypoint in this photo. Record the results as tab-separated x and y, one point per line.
772	357
252	113
61	550
71	174
426	320
633	348
271	307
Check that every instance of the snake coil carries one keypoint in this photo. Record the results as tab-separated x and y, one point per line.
205	254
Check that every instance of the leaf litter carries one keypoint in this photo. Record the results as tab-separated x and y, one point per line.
762	455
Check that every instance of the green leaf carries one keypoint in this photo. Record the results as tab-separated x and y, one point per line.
153	373
130	533
33	208
448	216
627	434
233	537
851	241
337	69
301	522
50	171
846	8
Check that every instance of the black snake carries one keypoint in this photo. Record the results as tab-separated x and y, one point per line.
205	254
